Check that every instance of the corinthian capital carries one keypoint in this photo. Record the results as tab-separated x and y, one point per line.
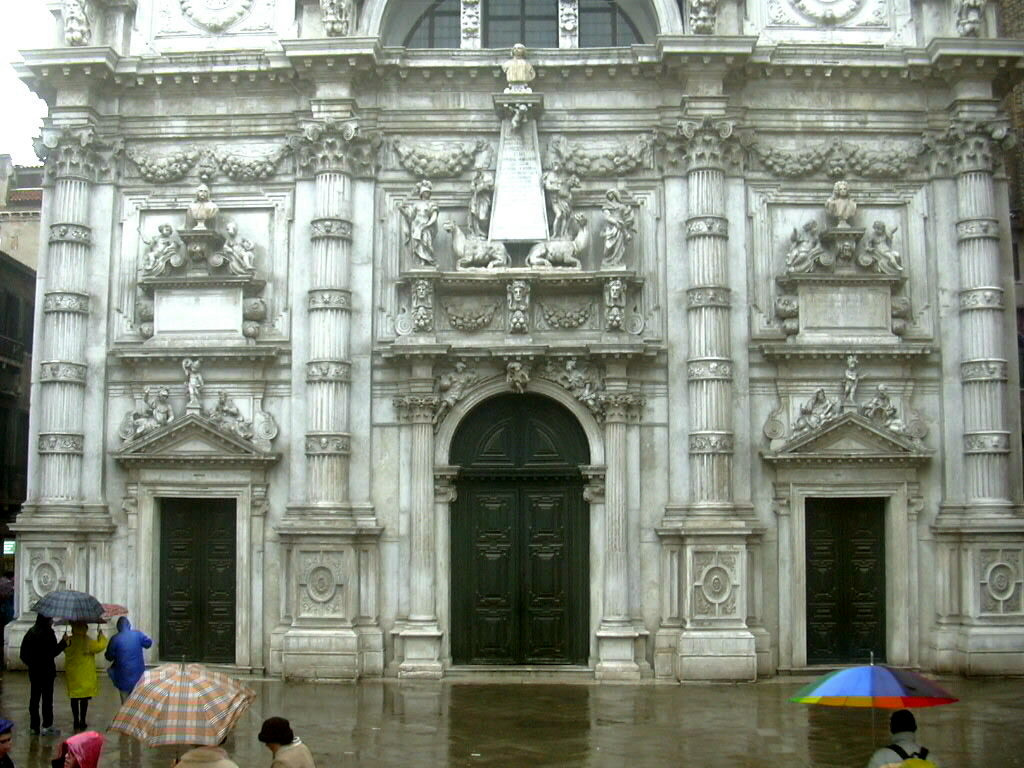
705	143
336	145
418	409
76	152
975	145
621	406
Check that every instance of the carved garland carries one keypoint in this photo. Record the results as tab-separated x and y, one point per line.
176	165
215	15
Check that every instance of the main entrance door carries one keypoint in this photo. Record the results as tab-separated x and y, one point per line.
520	582
197	580
845	580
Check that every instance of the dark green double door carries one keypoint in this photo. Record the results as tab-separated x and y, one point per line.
519	574
845	580
197	580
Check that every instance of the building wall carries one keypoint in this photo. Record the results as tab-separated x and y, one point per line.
698	390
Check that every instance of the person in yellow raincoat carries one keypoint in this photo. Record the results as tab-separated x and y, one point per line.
80	669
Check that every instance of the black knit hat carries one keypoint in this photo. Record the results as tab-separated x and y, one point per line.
902	720
276	730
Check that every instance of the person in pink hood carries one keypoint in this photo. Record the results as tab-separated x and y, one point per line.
79	751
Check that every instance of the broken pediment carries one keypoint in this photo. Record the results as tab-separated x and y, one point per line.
851	439
192	440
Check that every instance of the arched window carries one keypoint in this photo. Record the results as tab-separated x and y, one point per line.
438	27
503	23
603	24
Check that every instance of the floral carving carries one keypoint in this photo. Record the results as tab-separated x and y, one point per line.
422	306
839	159
623	158
518	293
830	12
338	17
215	15
159	169
566	318
77	28
470	19
328	145
438	162
970	14
703	14
468	318
61	443
244	167
585	383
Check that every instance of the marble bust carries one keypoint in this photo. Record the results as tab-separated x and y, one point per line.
519	73
841	206
202	210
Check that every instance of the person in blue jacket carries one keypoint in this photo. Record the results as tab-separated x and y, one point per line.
125	651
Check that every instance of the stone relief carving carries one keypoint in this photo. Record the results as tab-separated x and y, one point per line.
470	318
805	250
422	306
470	19
321	585
481	198
451	387
518	292
787	309
193	384
76	151
879	253
618	160
46	571
519	73
160	169
614	303
239	166
619	228
1001	580
703	15
837	159
585	382
558	188
338	17
517	375
77	27
236	165
238	253
970	15
155	412
561	252
851	378
215	15
473	251
715	585
706	142
163	251
817	411
518	114
420	215
567	318
428	161
325	145
225	414
880	410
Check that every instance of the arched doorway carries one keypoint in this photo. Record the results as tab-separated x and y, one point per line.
519	535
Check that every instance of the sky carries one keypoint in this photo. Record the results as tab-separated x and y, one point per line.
26	24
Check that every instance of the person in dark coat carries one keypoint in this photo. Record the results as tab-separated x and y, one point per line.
38	650
6	742
125	650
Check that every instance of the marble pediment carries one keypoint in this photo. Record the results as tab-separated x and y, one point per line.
192	440
850	439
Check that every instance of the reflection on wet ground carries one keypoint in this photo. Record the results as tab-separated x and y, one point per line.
483	723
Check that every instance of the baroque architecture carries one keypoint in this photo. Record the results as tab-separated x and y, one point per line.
648	337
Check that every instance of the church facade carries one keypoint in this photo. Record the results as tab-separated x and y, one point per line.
646	338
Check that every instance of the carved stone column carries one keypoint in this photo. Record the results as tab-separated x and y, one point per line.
983	367
616	635
709	366
332	627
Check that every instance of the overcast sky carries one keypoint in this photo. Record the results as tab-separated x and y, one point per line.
26	24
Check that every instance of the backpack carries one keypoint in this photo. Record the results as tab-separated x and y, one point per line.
917	759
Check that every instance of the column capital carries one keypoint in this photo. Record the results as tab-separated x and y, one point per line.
705	143
418	409
76	152
619	407
974	145
336	146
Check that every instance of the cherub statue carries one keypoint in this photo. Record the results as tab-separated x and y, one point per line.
193	382
239	252
163	250
850	380
517	376
878	250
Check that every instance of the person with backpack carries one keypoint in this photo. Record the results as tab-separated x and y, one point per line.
904	744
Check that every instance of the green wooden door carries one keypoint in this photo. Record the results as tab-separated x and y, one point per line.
845	580
197	580
520	582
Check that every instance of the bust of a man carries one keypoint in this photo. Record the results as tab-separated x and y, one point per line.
202	211
841	206
518	71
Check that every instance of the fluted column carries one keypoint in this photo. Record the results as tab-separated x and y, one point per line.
709	365
983	367
72	163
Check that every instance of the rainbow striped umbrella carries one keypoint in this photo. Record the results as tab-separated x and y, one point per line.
873	686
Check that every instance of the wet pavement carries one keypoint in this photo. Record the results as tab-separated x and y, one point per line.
522	723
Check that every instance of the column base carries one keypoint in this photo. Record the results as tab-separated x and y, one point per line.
717	654
616	653
979	650
310	653
421	653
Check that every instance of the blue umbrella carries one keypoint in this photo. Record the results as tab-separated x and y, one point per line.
71	605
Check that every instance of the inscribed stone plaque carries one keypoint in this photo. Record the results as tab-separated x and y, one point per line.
831	312
519	211
198	311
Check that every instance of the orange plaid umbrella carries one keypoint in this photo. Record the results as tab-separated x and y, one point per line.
182	704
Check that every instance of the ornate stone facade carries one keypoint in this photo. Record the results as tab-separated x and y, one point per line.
738	291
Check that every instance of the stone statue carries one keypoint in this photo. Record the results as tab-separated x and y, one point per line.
162	251
518	292
619	228
518	115
805	248
193	383
583	385
480	202
819	410
559	186
452	386
517	376
239	253
226	416
473	251
881	410
421	220
76	23
614	303
422	305
562	252
702	16
878	250
518	71
969	16
338	17
841	206
202	211
850	380
154	413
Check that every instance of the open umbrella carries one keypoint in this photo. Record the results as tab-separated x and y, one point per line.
110	610
68	604
876	686
182	704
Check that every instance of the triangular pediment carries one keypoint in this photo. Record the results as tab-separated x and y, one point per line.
192	439
854	439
